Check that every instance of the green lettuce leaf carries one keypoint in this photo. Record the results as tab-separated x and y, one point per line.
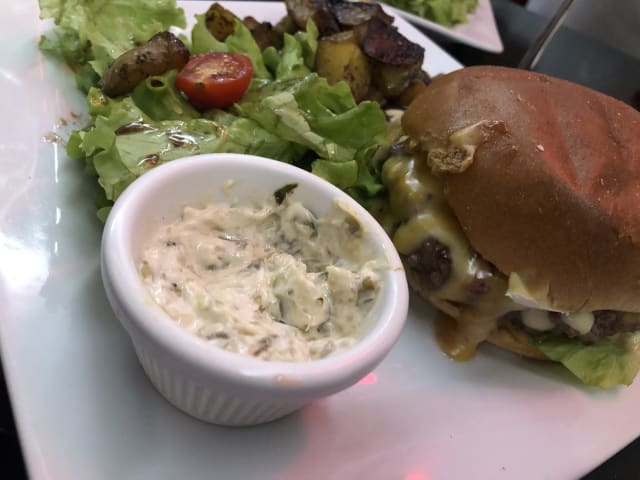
159	98
444	12
124	142
315	114
308	40
240	41
297	57
90	34
289	62
339	127
66	45
341	174
201	39
606	363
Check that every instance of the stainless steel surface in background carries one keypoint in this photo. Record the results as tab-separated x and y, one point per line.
613	22
536	50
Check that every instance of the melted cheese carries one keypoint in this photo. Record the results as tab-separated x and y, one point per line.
417	202
419	211
416	197
581	322
537	320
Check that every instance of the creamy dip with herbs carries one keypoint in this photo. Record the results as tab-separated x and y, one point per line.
271	281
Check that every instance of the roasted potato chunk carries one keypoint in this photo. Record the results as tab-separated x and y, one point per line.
351	14
383	42
340	58
406	96
396	60
286	25
392	80
264	33
220	22
318	10
163	52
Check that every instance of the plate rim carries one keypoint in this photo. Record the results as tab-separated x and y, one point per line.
495	46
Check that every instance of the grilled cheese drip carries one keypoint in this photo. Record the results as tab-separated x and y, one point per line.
474	293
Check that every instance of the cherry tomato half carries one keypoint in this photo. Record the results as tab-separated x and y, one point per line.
215	80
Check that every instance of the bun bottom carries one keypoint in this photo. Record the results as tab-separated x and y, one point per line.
504	336
515	341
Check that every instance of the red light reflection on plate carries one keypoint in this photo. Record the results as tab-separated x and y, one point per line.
416	475
369	379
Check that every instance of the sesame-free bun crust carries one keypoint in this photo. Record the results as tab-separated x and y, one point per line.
555	195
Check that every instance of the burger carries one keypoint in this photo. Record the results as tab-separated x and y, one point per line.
514	199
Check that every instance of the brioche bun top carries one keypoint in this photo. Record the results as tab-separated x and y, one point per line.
552	190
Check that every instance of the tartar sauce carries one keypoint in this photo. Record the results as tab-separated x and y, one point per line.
270	281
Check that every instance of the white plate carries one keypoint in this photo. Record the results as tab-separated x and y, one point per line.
85	409
480	31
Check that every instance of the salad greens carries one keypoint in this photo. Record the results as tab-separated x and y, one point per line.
240	41
124	141
606	363
157	98
289	113
444	12
90	34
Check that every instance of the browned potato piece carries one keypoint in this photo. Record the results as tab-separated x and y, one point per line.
396	60
351	14
263	33
384	43
318	10
164	51
286	25
392	80
340	58
376	95
415	88
219	21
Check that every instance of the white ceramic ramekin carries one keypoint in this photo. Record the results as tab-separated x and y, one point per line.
205	381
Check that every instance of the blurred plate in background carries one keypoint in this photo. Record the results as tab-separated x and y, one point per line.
480	31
